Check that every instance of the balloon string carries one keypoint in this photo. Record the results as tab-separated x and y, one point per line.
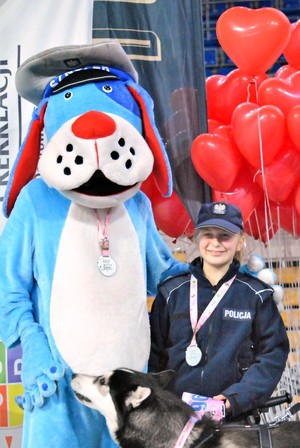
294	222
253	82
248	92
186	227
257	224
267	207
250	227
280	237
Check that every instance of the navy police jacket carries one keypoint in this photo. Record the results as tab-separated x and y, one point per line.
244	343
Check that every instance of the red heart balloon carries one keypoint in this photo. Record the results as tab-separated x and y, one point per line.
282	93
261	225
288	218
226	132
171	216
297	199
282	175
258	129
164	210
149	187
216	160
253	38
224	93
212	125
291	51
244	193
293	125
285	71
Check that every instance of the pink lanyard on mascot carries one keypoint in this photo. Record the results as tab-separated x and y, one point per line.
106	264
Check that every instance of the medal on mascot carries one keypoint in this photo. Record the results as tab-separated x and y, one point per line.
106	264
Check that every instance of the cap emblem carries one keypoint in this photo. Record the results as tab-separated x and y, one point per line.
219	209
71	63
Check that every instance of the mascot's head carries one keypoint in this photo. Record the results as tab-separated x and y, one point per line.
102	142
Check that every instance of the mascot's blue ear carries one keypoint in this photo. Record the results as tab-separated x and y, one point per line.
24	168
161	171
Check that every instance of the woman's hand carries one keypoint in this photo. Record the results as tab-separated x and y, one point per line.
222	398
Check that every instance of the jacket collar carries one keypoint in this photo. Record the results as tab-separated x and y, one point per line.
196	268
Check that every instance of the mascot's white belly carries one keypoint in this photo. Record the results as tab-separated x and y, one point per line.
108	327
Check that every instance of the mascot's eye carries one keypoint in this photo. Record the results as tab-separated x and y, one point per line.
107	88
68	95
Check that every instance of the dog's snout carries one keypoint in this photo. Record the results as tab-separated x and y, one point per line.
74	376
93	125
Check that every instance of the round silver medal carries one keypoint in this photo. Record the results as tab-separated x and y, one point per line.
106	265
193	355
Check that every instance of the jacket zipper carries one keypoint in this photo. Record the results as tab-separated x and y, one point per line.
206	353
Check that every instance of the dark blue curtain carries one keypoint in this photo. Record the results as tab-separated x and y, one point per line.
164	40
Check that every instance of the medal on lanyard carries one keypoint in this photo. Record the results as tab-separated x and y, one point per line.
106	264
193	353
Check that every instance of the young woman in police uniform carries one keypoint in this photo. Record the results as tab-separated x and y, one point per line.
219	329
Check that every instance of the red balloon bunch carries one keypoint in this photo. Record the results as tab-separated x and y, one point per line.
250	155
170	214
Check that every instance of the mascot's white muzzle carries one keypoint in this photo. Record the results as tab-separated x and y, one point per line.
95	142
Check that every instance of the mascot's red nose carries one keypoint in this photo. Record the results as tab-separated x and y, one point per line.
93	125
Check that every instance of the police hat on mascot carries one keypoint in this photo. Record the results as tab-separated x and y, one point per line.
40	77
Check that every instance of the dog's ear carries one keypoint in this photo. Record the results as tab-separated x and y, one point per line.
136	397
163	378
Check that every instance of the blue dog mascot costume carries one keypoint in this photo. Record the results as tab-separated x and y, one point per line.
80	249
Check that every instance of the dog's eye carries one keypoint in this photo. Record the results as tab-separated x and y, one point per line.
107	88
68	95
102	381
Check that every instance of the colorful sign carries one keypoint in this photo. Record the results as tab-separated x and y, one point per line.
11	415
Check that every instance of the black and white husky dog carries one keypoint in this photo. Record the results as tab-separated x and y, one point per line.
140	413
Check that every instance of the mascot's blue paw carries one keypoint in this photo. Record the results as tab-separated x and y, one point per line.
44	387
178	268
47	385
39	370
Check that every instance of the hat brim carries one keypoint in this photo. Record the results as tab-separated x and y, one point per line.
35	73
221	224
